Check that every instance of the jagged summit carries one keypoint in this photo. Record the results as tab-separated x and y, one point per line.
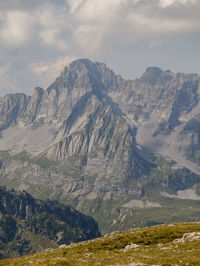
85	74
153	71
79	66
93	137
82	62
80	77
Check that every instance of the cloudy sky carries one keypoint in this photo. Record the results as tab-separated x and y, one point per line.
38	38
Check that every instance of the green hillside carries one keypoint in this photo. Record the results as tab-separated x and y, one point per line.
28	225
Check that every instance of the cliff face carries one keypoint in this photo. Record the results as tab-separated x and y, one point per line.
93	137
159	106
163	104
81	119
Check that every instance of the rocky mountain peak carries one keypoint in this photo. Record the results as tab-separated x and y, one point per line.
155	76
38	91
81	63
77	66
91	135
153	71
82	72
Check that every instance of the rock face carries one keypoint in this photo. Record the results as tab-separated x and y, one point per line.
28	225
93	137
169	104
82	120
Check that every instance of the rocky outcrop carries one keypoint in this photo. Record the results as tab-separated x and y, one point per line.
12	107
188	237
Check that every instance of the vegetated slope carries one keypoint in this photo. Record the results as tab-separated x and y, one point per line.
170	244
123	151
29	225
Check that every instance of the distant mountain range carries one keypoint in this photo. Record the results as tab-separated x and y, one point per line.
124	151
28	225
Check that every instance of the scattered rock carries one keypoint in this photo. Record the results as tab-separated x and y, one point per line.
48	249
131	264
188	236
131	246
136	264
63	246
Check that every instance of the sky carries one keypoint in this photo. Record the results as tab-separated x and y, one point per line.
39	38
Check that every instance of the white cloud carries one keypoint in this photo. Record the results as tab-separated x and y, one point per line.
166	3
97	23
16	27
38	32
88	26
74	5
94	10
52	23
8	83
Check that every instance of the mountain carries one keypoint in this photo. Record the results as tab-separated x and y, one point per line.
29	225
123	151
171	244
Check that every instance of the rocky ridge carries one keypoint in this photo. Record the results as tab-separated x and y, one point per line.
92	139
29	225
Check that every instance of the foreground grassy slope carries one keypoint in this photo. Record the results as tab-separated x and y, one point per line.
150	246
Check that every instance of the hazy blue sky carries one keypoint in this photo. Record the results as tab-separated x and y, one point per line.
39	37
